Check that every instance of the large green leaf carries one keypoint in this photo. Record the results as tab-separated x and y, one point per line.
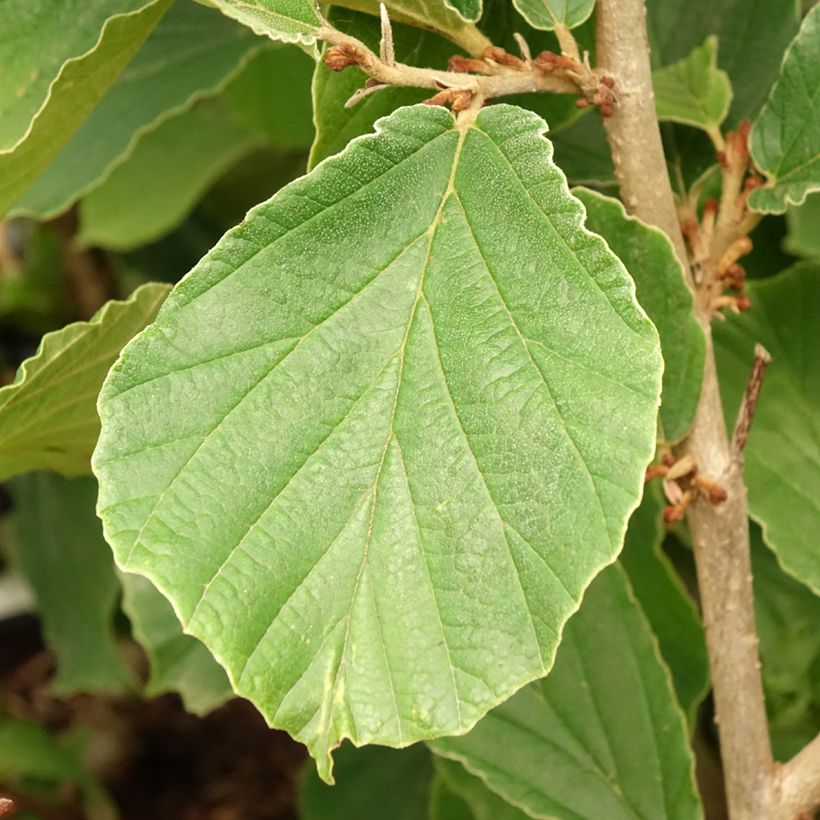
601	735
547	14
79	85
480	802
370	783
785	139
171	167
582	153
289	21
694	91
783	452
48	416
178	662
665	602
753	35
787	615
40	36
371	449
62	552
650	259
803	238
194	52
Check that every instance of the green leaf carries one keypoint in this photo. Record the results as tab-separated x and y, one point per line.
44	36
482	802
650	259
468	9
337	125
171	167
445	804
33	760
429	485
694	91
582	153
79	85
368	781
290	21
803	238
272	97
666	604
782	469
193	53
785	139
601	736
48	416
548	14
62	552
178	662
753	35
787	615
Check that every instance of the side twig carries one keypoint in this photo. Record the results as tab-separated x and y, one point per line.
749	403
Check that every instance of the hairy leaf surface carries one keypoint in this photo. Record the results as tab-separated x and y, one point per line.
782	469
178	662
48	416
62	552
193	53
650	259
377	443
694	91
547	14
80	84
785	139
601	735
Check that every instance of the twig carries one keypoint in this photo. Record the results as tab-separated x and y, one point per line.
387	52
720	533
797	787
749	403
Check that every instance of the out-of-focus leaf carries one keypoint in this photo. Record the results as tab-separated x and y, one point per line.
785	139
601	736
582	152
782	469
48	416
62	552
178	662
694	91
367	446
662	292
79	85
171	167
803	220
193	53
480	801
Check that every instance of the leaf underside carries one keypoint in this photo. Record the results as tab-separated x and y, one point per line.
376	444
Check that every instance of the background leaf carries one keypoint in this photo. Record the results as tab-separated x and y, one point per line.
80	84
193	53
479	802
48	417
783	452
803	238
401	374
63	555
785	139
694	91
662	292
601	735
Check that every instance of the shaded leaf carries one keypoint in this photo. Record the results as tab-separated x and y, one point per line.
171	167
785	139
178	662
803	238
482	803
753	35
388	329
370	782
694	91
193	53
649	257
667	605
62	552
80	83
582	152
782	469
48	416
601	735
547	14
445	804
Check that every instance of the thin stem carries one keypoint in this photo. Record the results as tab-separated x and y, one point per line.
749	403
720	533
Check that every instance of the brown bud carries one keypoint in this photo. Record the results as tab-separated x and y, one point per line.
461	100
668	459
581	102
608	81
721	158
338	58
503	57
715	493
743	301
466	65
607	110
441	98
655	471
710	207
